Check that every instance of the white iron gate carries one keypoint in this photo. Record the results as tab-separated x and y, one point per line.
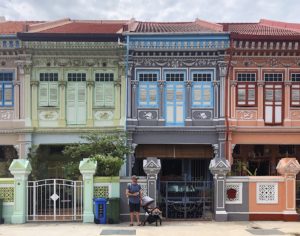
54	200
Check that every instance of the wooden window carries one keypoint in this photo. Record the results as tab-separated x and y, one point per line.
175	76
48	90
104	89
76	77
148	90
295	89
6	89
273	77
202	90
246	89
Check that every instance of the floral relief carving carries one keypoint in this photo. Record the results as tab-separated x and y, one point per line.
295	115
48	115
246	115
6	115
104	115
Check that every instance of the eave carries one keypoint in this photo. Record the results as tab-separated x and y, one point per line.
237	36
70	37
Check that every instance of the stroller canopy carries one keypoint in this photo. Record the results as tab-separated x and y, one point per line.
146	201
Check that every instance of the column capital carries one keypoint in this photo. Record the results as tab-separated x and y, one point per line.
17	83
219	167
34	83
161	83
216	83
87	168
261	83
288	166
90	83
62	83
20	169
117	83
188	83
134	83
151	167
233	83
288	83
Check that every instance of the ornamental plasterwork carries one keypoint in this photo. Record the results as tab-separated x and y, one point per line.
48	115
175	62
238	188
103	115
267	193
6	115
295	115
246	115
72	45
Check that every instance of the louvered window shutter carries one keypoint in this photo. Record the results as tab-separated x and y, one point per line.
108	94
43	94
53	94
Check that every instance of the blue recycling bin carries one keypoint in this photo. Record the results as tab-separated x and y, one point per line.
100	210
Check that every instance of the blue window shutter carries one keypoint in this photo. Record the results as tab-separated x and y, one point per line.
1	94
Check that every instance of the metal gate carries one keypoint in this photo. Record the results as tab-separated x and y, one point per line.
54	200
187	199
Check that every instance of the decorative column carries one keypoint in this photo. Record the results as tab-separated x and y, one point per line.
161	85
34	104
188	85
287	103
27	94
134	85
90	88
219	168
128	92
118	104
17	112
289	167
232	99
260	101
62	103
216	98
152	167
222	74
20	169
88	168
24	143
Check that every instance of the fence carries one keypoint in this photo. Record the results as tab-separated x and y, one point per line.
7	195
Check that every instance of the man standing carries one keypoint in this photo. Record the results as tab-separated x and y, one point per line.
134	193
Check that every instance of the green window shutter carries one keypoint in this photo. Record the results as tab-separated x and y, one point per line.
109	94
53	94
81	103
99	94
43	94
71	103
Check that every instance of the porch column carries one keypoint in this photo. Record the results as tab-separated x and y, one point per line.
17	85
88	168
289	168
20	169
152	167
287	102
219	168
260	102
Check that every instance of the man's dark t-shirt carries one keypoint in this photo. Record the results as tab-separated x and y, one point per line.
134	188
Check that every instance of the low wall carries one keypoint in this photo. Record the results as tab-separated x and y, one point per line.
260	198
7	194
107	187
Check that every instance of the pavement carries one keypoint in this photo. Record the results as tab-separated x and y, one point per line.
172	228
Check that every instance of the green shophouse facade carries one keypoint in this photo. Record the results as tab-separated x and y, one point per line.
75	84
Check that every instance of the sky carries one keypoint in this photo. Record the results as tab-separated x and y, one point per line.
153	10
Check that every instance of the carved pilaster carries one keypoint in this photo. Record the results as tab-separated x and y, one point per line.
233	83
90	84
117	83
260	83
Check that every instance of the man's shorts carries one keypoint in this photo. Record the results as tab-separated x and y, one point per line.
134	207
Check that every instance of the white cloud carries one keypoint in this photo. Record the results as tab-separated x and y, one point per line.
153	10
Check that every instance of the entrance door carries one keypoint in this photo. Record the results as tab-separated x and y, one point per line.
273	103
54	200
76	103
175	99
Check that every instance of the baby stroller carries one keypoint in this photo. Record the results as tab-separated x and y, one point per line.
153	214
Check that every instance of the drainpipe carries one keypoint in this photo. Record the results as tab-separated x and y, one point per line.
227	100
